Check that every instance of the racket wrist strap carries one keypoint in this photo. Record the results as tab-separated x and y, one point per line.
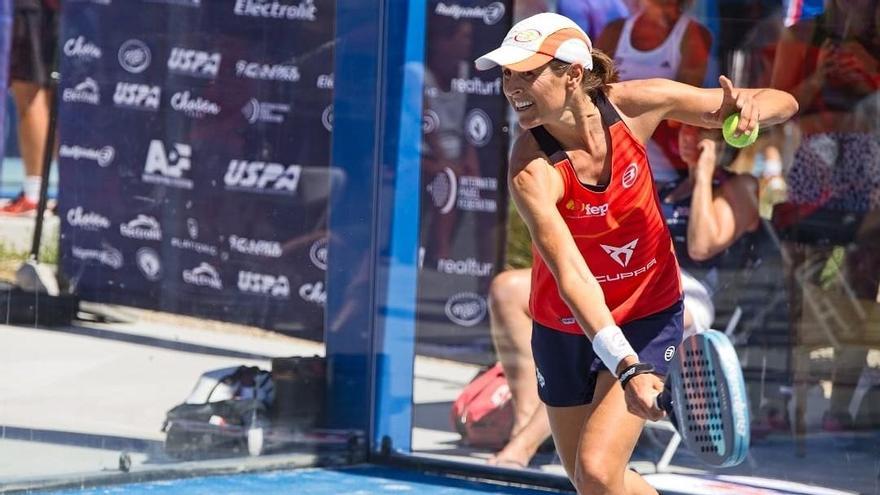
634	370
611	346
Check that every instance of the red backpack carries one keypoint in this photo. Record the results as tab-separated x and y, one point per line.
483	412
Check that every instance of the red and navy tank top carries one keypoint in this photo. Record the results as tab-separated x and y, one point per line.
619	229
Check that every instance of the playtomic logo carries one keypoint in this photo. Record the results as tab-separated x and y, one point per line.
262	177
102	156
263	284
305	10
137	96
134	56
466	309
194	62
168	168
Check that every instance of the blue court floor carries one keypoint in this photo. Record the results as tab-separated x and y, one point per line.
360	480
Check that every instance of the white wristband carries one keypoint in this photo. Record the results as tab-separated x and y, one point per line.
611	346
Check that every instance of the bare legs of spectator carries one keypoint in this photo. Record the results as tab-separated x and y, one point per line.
32	105
511	334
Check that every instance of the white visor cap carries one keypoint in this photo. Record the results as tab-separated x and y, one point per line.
538	39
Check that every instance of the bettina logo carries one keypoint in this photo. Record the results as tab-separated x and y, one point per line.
489	14
149	264
478	127
630	175
137	96
102	156
109	255
167	168
89	220
262	177
327	118
305	10
134	56
262	111
466	309
267	72
84	92
80	47
255	247
197	108
194	62
318	253
621	254
261	283
145	228
313	293
444	190
203	275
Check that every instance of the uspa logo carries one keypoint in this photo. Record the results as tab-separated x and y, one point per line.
304	10
630	175
193	107
102	156
143	227
203	275
327	118
149	264
81	48
255	247
87	220
318	253
196	63
466	309
137	96
325	81
167	168
262	177
107	256
263	111
267	72
313	293
263	284
134	56
490	14
85	92
478	127
430	121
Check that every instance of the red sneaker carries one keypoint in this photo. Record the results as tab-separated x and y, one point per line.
19	206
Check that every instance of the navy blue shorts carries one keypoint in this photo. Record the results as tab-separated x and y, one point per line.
567	367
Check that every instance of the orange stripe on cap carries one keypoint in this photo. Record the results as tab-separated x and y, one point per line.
550	45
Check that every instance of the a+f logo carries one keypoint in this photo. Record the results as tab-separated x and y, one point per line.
621	254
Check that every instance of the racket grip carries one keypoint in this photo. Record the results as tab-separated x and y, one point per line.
664	401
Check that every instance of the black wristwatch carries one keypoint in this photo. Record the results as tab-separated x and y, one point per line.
632	370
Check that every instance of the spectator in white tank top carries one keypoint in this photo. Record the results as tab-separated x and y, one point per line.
660	41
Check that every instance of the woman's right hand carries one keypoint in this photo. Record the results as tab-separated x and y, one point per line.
641	396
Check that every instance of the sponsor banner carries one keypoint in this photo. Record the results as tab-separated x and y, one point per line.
194	169
463	208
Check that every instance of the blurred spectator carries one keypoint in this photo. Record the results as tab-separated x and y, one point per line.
831	64
593	15
660	40
34	43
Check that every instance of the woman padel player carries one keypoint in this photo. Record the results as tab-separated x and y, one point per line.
605	265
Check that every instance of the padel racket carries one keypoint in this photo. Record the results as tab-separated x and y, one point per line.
705	397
